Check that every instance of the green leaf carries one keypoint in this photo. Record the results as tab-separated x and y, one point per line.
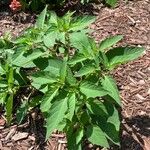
26	60
96	107
22	111
47	98
112	3
42	77
35	101
51	65
82	22
41	18
80	41
122	55
2	71
97	136
61	37
113	116
53	18
63	70
109	84
85	117
79	135
107	43
74	138
76	59
56	115
88	69
92	90
111	126
50	39
71	106
3	84
20	77
3	96
70	77
62	125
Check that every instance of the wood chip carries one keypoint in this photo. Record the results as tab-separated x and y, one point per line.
20	136
58	135
32	138
148	91
140	97
31	148
146	144
62	142
2	122
11	133
1	146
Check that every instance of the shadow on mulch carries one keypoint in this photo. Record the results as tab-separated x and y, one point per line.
141	124
135	129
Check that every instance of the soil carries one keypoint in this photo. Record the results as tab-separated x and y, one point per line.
132	20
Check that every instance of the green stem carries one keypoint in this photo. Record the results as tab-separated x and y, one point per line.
10	94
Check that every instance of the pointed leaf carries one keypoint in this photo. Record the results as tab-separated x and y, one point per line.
70	77
47	98
56	115
41	18
74	138
76	59
114	119
82	22
43	77
92	90
109	84
88	69
97	136
80	41
123	54
53	18
107	43
50	39
22	111
111	126
71	106
97	108
52	65
26	60
2	71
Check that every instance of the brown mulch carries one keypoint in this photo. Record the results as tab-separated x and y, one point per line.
132	20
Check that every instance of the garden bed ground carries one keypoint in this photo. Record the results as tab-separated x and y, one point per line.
131	20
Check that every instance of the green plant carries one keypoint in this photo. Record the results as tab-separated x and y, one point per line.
111	3
77	95
36	5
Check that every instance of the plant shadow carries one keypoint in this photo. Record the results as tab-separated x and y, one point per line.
36	128
133	131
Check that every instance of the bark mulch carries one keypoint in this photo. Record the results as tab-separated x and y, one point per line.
132	20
